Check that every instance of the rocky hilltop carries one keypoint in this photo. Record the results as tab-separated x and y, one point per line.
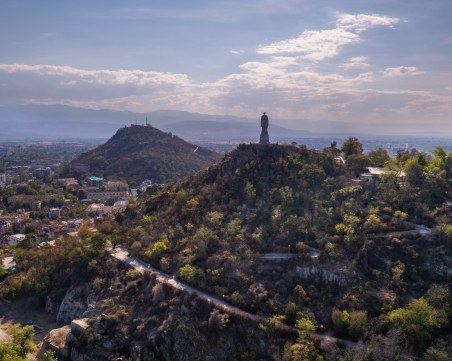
142	152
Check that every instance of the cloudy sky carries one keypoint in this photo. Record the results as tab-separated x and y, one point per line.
383	63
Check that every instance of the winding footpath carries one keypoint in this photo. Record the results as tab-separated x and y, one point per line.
122	255
142	267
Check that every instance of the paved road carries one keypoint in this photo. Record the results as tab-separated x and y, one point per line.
314	253
122	255
276	256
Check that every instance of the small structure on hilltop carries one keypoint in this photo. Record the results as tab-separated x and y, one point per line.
264	139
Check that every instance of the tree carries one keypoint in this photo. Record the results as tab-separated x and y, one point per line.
352	146
378	157
3	272
21	345
335	151
48	356
358	324
414	173
304	349
299	293
357	163
158	248
351	228
418	320
372	224
187	273
291	311
398	271
433	354
81	194
341	321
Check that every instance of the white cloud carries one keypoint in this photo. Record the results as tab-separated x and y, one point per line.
358	62
112	77
361	22
316	45
325	44
281	82
401	71
285	78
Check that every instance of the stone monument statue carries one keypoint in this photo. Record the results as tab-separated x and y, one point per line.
264	133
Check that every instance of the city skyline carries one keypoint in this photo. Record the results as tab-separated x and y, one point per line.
385	64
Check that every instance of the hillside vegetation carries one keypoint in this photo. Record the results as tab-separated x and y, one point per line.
139	152
375	276
283	232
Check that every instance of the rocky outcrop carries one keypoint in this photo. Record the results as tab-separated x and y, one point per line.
65	341
73	305
79	327
326	276
56	342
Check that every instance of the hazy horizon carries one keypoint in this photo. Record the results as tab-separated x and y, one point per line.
379	68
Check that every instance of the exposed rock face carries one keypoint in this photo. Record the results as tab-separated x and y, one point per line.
325	276
56	342
173	326
73	305
78	327
64	341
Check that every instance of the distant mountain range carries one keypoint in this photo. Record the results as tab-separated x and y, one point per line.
61	121
140	152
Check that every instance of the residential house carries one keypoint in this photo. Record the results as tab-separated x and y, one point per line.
69	183
116	186
375	174
98	209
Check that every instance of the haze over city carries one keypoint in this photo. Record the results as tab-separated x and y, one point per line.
382	66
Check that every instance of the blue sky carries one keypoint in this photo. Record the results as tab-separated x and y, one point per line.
385	63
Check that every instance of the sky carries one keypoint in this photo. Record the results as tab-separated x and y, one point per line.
385	64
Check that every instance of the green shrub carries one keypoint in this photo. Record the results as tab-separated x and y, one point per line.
341	320
187	273
418	320
358	324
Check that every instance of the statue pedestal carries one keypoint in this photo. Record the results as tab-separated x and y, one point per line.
264	139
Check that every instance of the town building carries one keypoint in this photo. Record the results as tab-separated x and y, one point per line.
54	213
103	196
66	182
94	181
116	186
375	174
42	173
98	209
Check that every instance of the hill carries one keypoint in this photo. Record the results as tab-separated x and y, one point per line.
283	229
137	153
327	267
